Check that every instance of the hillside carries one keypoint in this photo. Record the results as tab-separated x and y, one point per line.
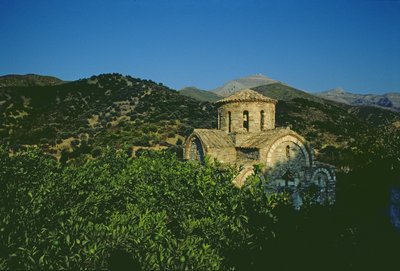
284	92
387	101
80	117
312	113
199	94
108	109
243	83
348	137
28	80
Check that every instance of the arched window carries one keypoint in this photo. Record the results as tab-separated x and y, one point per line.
246	120
229	121
287	151
262	117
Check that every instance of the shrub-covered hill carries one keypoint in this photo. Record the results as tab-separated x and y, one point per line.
199	94
28	80
342	135
80	117
108	109
285	92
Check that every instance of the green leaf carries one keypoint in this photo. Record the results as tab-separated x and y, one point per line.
41	260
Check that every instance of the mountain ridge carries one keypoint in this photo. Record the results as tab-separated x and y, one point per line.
390	101
238	84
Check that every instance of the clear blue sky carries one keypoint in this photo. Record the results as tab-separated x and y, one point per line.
312	45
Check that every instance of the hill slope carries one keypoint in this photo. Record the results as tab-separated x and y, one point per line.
108	109
243	83
199	94
28	80
284	92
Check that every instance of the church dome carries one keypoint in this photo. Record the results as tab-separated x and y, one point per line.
246	95
246	111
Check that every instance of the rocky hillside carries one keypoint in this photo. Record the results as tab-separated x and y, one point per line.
28	80
243	83
387	101
108	109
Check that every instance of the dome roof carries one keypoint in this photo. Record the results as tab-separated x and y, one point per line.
246	95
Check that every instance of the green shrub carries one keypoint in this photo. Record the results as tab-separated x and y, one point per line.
96	152
160	212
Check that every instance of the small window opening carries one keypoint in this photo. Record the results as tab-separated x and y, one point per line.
262	117
229	122
287	151
246	120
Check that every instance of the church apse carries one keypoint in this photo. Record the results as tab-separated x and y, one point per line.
246	135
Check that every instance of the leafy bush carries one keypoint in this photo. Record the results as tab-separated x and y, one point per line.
156	210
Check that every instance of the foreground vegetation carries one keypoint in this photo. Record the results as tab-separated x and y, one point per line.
154	211
158	213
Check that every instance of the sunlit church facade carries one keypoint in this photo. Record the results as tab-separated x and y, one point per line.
247	136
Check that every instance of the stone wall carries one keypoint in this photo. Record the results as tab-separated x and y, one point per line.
225	155
276	153
239	138
234	123
245	154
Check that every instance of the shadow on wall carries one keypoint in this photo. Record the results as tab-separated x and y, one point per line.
293	172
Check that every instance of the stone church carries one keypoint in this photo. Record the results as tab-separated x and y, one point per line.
247	136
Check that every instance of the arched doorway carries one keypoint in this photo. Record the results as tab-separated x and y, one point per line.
195	150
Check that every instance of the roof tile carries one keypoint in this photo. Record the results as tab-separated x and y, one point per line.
246	95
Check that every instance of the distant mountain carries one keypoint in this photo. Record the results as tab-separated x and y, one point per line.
199	94
386	101
28	80
243	83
